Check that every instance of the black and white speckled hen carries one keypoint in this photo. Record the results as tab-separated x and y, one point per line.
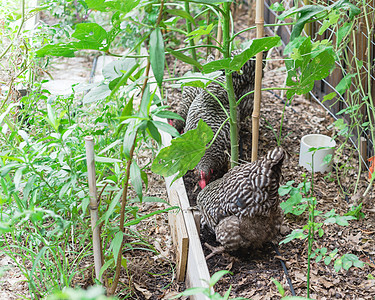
189	93
242	208
216	159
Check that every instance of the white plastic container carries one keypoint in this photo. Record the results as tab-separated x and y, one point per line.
316	141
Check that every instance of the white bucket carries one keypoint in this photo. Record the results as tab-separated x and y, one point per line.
316	141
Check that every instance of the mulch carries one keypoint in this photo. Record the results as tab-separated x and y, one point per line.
252	270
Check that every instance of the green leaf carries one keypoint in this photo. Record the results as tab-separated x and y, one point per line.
103	159
345	83
65	50
184	153
4	228
191	291
103	5
338	264
166	128
327	260
144	108
296	234
157	55
166	114
160	211
277	6
280	288
236	62
116	244
330	96
216	277
311	69
154	132
97	94
305	14
52	120
210	1
184	58
181	13
91	33
135	179
294	205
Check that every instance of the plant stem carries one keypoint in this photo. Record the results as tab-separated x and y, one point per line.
191	41
112	289
229	86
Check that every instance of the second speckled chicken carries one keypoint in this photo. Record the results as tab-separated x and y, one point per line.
242	208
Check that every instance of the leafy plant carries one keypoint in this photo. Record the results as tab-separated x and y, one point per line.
208	291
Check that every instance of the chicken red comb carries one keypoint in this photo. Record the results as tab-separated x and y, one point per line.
372	167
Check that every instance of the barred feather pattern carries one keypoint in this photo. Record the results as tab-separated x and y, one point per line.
242	208
189	93
207	108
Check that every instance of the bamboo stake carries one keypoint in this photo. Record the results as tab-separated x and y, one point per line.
89	143
259	22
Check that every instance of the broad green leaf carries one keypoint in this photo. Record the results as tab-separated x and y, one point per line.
295	44
317	68
65	50
135	179
184	153
116	244
121	5
216	65
157	55
187	59
256	46
91	33
236	62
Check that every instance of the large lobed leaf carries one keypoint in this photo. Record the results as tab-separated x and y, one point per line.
236	63
184	153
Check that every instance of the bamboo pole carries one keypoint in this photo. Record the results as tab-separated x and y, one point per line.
259	22
89	143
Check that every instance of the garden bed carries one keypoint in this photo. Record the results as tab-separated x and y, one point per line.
252	270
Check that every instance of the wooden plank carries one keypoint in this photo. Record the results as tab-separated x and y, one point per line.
197	274
179	236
